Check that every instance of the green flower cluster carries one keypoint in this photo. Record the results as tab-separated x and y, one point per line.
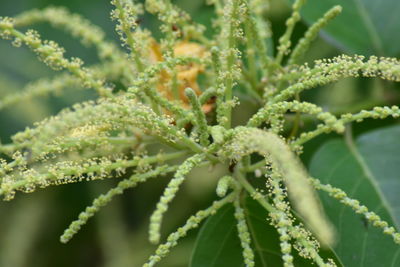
110	136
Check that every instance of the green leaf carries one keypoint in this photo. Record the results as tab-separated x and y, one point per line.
364	26
369	171
218	245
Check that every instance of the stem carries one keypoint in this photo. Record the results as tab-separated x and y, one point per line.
230	66
201	120
296	122
251	59
129	40
262	201
192	223
348	136
206	95
175	85
284	41
251	86
252	191
97	168
255	166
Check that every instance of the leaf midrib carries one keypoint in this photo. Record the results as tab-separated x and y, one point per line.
223	241
370	176
376	41
255	238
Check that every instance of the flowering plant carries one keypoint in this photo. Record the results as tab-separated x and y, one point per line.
150	95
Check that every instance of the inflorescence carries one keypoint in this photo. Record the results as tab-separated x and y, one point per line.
159	100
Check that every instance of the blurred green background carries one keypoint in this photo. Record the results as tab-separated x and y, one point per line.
117	236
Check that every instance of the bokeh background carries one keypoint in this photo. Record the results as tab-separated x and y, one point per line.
30	225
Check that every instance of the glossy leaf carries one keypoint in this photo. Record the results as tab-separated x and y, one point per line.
364	27
218	245
368	170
